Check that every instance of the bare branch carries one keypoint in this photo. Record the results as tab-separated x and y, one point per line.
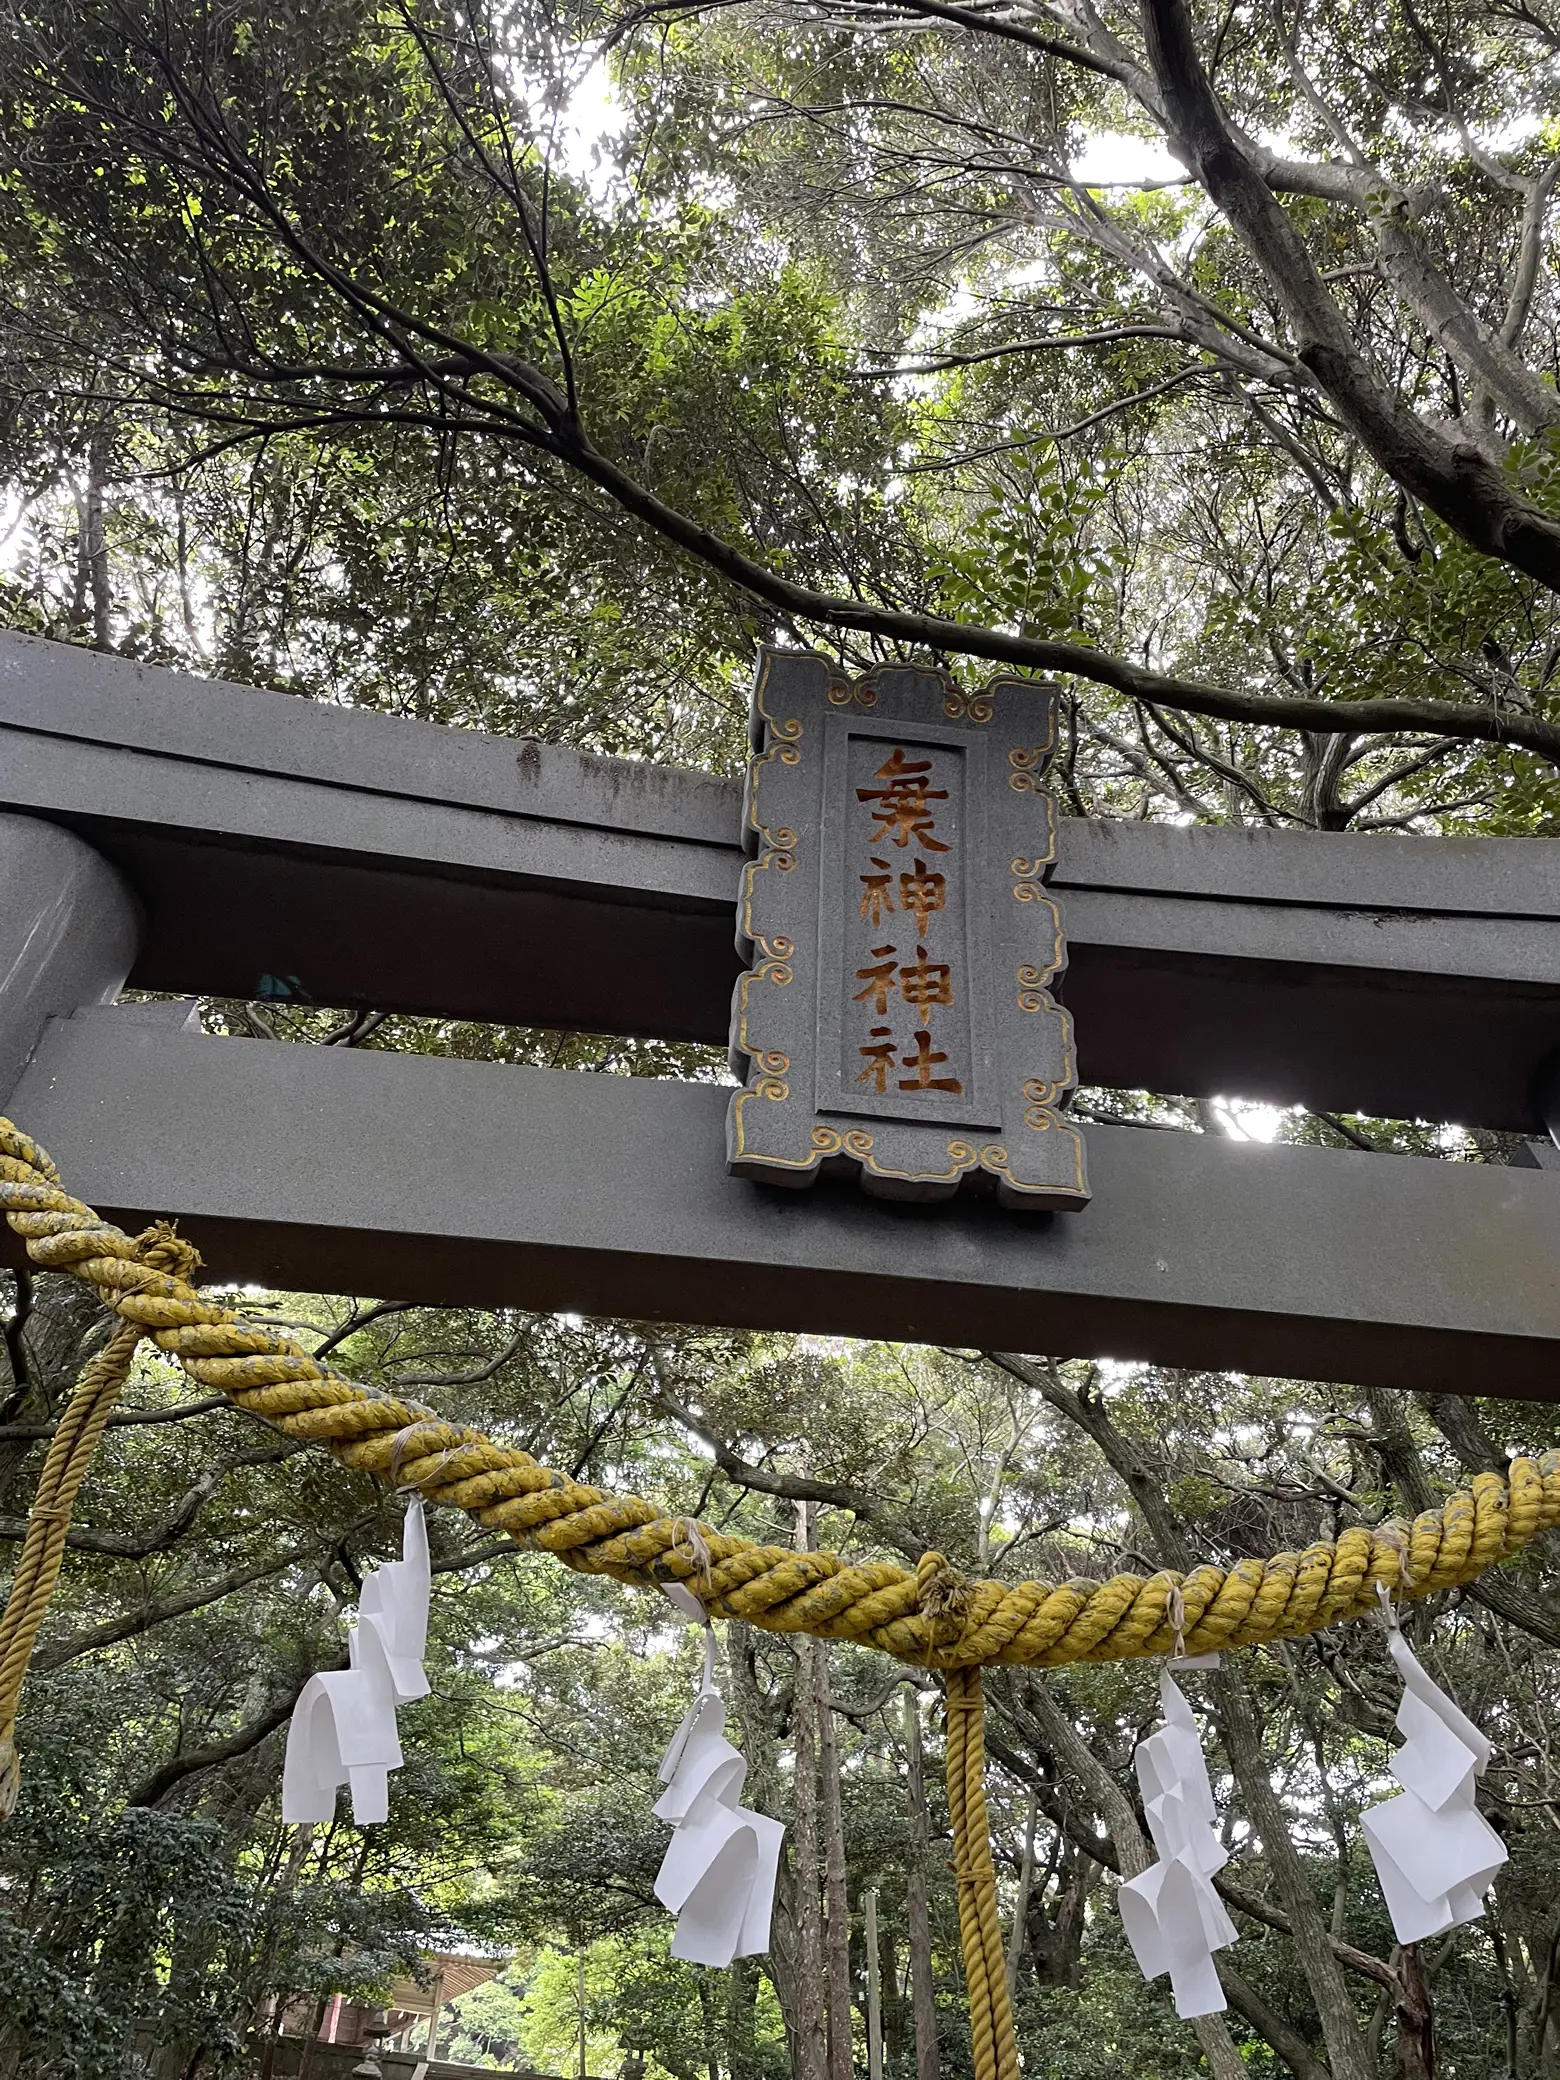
1108	335
126	1419
469	1379
791	1487
1454	478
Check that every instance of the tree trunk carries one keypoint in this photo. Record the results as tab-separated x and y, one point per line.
923	2007
741	2019
836	1897
92	579
894	2003
809	2054
1415	2018
874	1989
1026	1880
1347	2051
701	1981
767	1795
1058	1737
1213	2040
1055	1942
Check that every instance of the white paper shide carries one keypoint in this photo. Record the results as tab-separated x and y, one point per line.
718	1874
343	1727
1435	1853
1173	1917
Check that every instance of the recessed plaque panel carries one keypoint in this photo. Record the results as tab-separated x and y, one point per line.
896	1020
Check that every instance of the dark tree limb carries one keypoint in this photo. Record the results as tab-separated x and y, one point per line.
1348	2053
1265	2019
356	1321
178	1769
151	1615
475	1377
467	386
1130	1467
1455	479
936	633
124	1419
1128	1851
1453	1416
140	1545
793	1487
1102	1849
1506	1595
1237	1721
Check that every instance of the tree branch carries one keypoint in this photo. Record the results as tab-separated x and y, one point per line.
356	1321
500	394
126	1419
151	1615
1105	336
1062	1740
792	1487
933	632
140	1545
468	1379
1091	1417
1455	479
153	1789
1265	2019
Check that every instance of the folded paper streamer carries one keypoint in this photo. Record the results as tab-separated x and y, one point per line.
1173	1917
1435	1853
343	1726
718	1875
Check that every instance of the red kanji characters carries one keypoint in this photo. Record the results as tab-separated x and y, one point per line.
879	981
902	811
925	983
923	1060
921	893
880	1059
876	897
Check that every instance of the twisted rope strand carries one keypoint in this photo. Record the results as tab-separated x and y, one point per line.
1035	1624
993	2045
65	1466
48	1521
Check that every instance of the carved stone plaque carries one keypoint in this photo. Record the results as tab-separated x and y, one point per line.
896	1017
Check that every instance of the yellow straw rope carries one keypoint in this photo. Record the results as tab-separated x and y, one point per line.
933	1617
43	1546
993	2047
48	1522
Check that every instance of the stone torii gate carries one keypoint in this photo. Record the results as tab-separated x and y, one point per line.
192	838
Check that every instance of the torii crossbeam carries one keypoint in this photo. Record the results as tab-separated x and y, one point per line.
197	838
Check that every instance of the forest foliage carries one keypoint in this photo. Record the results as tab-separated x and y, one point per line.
346	354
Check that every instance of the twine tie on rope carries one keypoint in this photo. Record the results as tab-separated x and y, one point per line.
1395	1535
1175	1611
686	1532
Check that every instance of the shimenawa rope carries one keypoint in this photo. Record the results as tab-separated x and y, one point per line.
933	1617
